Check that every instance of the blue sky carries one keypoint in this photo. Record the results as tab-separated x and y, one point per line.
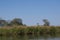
31	11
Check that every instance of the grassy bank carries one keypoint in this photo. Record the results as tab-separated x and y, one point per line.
22	30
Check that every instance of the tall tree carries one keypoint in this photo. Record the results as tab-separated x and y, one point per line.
17	21
46	22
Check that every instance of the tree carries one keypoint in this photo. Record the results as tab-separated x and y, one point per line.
3	22
9	23
17	21
46	22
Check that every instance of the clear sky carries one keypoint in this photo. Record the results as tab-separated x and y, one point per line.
31	11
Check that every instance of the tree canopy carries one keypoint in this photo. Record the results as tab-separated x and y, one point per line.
17	21
46	22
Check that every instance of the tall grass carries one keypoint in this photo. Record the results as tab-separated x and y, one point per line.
21	30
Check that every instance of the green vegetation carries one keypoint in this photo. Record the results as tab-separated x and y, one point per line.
15	21
16	27
22	30
46	22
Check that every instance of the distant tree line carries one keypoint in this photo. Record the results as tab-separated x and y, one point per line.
18	21
15	21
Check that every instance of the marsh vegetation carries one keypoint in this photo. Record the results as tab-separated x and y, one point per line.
26	30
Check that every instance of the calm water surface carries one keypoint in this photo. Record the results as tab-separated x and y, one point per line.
30	37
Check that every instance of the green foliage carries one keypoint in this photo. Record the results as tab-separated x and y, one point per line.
46	22
17	21
19	30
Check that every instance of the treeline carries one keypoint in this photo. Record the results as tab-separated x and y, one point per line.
18	21
15	21
16	28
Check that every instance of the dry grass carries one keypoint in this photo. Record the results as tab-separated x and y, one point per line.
18	30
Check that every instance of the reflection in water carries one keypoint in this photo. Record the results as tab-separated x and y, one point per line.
30	37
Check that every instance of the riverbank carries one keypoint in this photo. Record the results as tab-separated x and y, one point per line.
22	30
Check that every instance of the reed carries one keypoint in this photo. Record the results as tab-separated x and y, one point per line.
22	30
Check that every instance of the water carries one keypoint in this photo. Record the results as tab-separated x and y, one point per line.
30	37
